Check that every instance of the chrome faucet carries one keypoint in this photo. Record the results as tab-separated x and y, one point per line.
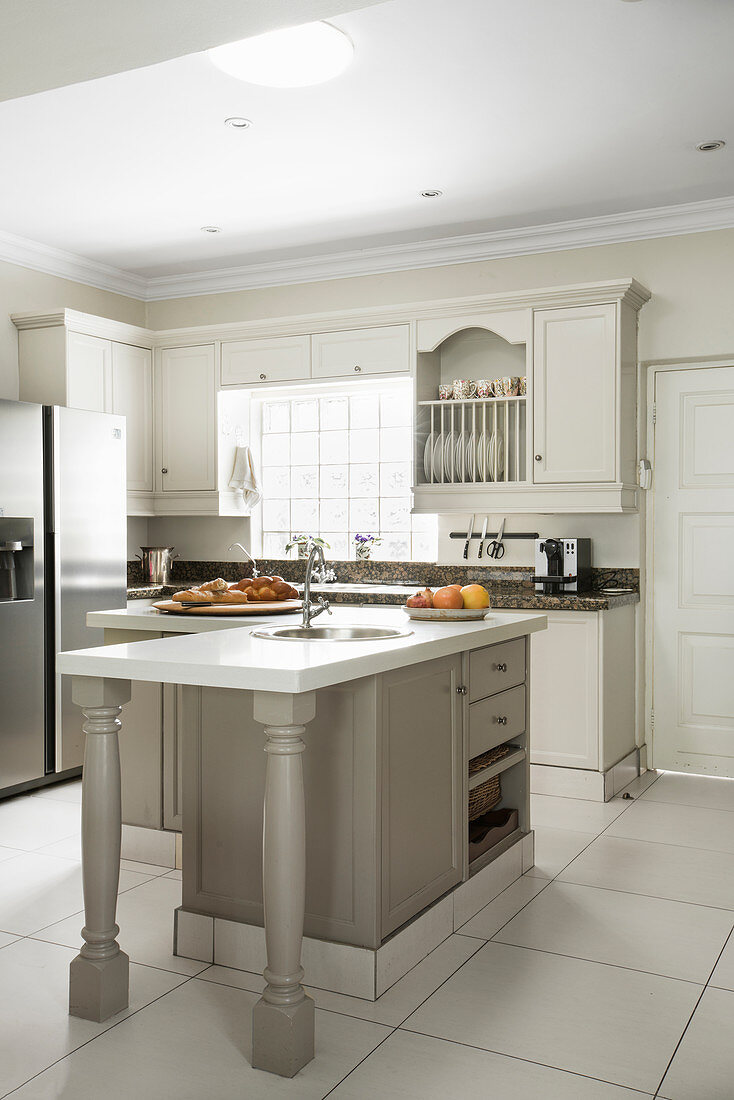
248	555
321	604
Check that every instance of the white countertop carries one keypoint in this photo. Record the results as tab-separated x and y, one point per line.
232	658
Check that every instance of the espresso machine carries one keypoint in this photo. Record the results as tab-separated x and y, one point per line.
562	566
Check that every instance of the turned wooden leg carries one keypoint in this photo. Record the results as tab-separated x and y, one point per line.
98	977
283	1018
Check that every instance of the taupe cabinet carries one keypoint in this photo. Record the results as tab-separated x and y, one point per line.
384	816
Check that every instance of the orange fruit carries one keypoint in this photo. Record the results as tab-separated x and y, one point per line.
475	596
449	598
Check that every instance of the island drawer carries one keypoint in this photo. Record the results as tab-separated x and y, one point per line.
496	668
495	720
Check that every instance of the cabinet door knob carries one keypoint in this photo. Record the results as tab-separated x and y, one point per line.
358	370
501	668
538	458
461	690
502	720
263	377
164	470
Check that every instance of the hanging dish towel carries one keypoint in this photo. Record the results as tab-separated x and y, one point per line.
244	477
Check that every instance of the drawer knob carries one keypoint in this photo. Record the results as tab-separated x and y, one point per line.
263	377
461	690
502	720
358	370
164	470
502	667
538	458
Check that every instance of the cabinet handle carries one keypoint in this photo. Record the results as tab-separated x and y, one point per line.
538	458
502	720
358	370
164	470
461	690
263	377
501	668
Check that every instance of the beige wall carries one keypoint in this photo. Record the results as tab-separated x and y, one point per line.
24	291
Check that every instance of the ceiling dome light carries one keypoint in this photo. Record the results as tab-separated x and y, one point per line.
432	194
294	57
211	229
711	146
238	123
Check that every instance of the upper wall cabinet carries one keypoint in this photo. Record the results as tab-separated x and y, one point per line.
275	359
551	426
89	363
361	352
186	400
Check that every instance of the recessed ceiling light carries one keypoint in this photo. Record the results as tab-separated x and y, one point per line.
238	123
211	229
432	194
711	146
293	57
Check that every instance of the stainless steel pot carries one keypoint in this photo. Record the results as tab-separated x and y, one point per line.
157	562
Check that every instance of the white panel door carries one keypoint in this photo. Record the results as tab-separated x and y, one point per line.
360	352
88	373
564	691
132	397
188	422
693	593
575	395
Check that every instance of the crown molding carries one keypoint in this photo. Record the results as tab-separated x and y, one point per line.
69	265
662	221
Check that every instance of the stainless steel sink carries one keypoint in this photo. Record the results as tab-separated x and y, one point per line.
332	633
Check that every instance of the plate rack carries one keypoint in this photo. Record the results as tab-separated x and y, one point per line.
478	440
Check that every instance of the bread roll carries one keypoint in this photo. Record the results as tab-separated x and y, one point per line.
232	595
192	595
261	582
219	585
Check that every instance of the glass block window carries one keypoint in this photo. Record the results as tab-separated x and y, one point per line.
337	464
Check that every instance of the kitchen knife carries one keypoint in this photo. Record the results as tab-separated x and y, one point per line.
468	536
484	535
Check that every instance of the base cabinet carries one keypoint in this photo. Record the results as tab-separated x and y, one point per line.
582	699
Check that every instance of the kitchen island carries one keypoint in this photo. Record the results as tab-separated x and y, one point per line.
391	726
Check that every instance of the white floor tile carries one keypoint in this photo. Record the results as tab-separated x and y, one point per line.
37	890
724	974
704	1063
602	1021
175	874
693	790
145	917
637	786
416	1067
392	1007
548	811
658	870
490	919
672	823
9	853
6	939
661	937
555	848
70	791
71	848
28	822
35	1027
195	1043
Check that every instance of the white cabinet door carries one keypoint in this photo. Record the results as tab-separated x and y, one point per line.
564	691
361	351
88	373
132	397
575	395
187	401
282	359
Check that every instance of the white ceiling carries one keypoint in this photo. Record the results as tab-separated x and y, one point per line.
522	113
46	44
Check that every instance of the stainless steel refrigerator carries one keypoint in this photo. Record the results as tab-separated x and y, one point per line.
62	553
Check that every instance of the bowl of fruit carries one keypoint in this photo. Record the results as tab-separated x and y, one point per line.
450	604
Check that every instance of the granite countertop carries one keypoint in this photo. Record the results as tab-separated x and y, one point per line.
508	596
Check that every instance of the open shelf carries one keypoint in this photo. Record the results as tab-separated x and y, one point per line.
500	766
496	851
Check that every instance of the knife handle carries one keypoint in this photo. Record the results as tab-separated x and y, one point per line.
466	549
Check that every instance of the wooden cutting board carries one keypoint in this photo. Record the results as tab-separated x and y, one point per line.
279	608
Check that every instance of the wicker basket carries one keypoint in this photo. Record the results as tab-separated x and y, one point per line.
486	795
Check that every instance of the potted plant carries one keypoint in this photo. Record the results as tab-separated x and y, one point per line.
304	543
363	545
